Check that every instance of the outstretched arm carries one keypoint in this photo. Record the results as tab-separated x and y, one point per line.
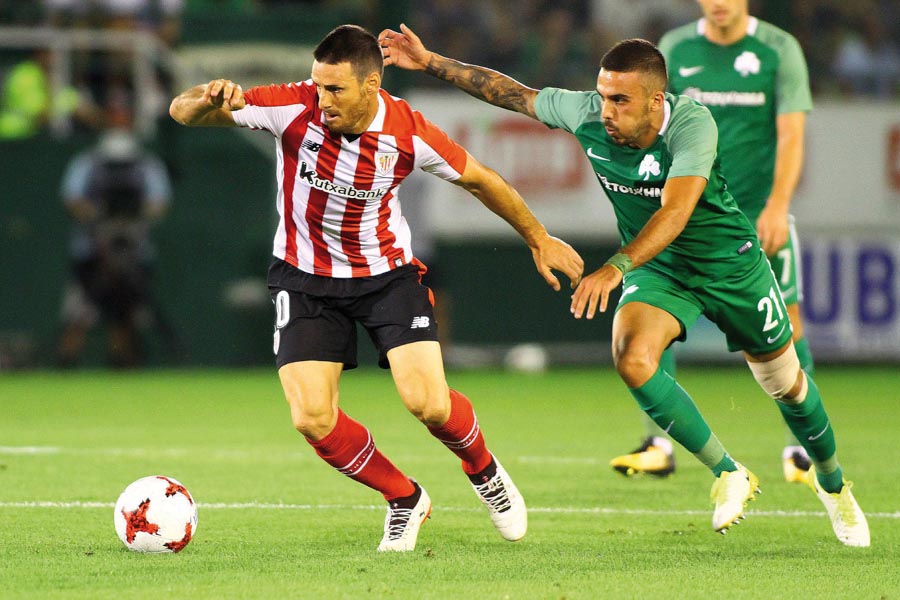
549	253
404	49
209	104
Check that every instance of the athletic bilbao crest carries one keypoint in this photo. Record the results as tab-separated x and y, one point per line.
385	161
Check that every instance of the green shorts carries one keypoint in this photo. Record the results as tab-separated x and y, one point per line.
787	267
747	308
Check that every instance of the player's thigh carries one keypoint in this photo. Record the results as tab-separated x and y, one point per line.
311	328
750	310
418	371
311	390
654	306
400	313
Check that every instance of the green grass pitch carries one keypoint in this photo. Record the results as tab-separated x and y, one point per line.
277	522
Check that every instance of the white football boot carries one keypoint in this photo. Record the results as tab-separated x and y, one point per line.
504	503
401	525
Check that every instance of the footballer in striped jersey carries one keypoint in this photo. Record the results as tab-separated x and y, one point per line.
343	255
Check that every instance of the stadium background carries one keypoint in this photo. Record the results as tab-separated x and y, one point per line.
215	242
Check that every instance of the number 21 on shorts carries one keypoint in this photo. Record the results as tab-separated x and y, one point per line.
772	306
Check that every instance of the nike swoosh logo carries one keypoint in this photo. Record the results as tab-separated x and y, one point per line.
813	438
592	155
769	340
788	291
688	71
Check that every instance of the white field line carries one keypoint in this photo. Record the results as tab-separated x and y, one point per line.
596	510
234	454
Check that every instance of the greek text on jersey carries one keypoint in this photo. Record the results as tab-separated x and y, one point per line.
726	98
647	192
304	172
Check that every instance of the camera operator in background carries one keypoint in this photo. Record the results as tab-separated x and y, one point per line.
114	192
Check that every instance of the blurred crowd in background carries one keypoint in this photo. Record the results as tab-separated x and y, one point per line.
853	48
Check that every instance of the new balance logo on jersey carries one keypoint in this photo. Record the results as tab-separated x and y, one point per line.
420	323
311	146
330	187
747	63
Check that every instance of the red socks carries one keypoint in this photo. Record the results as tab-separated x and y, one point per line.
350	449
462	435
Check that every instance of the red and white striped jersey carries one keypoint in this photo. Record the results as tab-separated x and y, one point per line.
338	205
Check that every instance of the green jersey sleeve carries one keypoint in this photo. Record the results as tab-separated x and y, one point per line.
792	82
565	109
692	138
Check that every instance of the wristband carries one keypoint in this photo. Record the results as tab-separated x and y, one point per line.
621	261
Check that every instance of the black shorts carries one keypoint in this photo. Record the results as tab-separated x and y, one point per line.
315	317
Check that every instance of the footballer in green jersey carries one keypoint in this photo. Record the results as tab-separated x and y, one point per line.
745	85
753	78
717	240
685	252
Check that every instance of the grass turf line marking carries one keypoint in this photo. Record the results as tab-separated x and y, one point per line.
380	507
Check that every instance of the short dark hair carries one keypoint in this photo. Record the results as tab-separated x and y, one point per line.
638	55
353	44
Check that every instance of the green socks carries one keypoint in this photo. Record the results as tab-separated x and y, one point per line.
806	363
810	424
674	411
667	364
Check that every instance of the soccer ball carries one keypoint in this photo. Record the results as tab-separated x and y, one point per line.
156	514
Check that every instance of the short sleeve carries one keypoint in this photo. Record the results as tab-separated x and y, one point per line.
693	139
792	85
274	107
436	153
565	109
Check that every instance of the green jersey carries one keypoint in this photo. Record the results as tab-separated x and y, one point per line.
717	239
745	85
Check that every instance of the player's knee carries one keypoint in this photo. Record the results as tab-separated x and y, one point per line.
780	376
635	363
430	405
314	422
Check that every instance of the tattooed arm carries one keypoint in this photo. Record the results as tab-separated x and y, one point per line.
404	49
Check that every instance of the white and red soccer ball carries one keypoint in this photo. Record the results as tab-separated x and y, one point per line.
156	514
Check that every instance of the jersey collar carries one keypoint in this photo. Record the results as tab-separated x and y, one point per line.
667	112
377	123
752	26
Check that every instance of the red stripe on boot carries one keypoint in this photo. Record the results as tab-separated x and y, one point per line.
350	449
462	435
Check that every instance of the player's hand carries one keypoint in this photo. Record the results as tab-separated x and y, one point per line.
403	49
593	291
224	93
555	254
772	230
